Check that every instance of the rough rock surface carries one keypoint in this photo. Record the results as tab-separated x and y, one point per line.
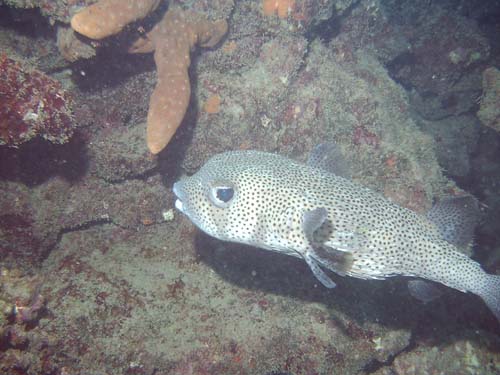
119	153
489	111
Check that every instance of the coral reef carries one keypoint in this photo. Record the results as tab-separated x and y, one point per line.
32	104
100	275
489	112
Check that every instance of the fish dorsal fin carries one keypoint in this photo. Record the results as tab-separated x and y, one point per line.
455	218
327	156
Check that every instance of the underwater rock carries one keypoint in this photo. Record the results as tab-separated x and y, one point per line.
72	48
369	27
30	220
456	139
120	153
131	204
445	47
253	98
489	111
16	221
460	357
443	60
155	288
357	104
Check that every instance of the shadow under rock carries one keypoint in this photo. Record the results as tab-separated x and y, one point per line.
36	161
386	302
170	159
112	64
109	68
288	276
27	22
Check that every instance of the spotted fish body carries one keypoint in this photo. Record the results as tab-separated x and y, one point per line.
275	203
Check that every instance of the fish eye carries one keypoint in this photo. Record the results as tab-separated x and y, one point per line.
222	195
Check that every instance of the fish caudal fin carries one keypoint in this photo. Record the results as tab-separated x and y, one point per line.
490	293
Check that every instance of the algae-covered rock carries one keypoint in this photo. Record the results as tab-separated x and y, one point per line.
489	111
121	153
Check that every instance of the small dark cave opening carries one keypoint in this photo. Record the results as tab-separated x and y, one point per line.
483	181
36	161
27	22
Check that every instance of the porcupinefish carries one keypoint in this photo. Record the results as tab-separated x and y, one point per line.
304	210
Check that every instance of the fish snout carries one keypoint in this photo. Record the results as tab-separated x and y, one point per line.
179	193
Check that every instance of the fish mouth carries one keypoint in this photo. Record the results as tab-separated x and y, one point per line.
177	189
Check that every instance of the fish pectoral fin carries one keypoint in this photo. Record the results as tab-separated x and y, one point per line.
336	256
312	220
318	272
338	261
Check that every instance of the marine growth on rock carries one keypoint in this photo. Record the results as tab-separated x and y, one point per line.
31	104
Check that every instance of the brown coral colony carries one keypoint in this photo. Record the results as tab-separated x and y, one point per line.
171	40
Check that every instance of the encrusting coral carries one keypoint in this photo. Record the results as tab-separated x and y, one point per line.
280	7
31	104
109	17
171	40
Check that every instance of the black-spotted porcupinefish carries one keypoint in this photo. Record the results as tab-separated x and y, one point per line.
305	210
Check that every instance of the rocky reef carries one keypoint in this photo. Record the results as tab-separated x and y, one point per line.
99	274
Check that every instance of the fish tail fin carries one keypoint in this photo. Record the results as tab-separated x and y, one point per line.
490	293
